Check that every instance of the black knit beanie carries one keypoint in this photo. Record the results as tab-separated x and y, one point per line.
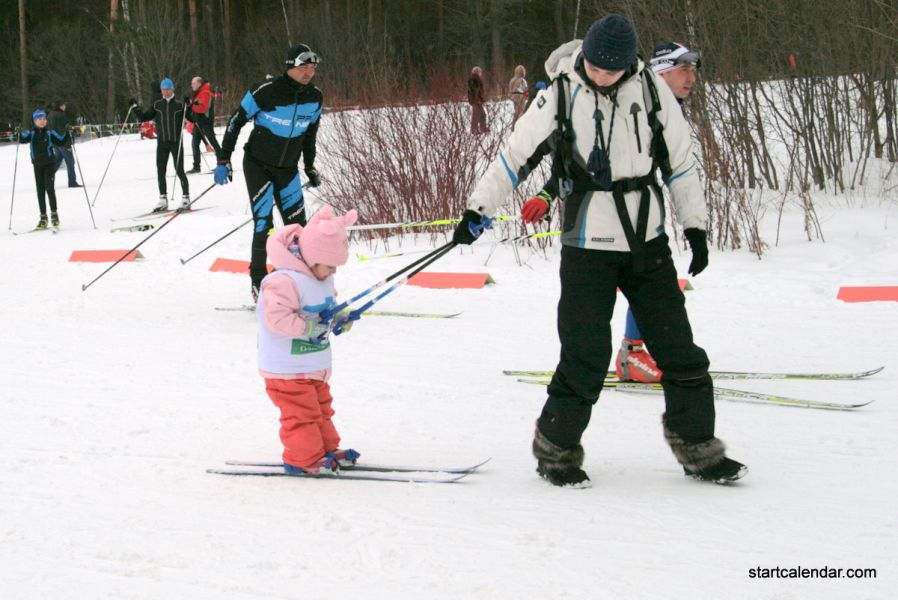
611	43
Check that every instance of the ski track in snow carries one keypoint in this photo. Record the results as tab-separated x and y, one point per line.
116	400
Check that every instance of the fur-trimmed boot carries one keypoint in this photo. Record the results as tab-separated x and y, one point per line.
559	466
705	461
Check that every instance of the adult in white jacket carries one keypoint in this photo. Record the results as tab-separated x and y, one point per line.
605	152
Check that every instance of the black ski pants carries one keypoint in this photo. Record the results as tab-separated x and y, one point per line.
45	178
589	279
267	186
163	151
203	129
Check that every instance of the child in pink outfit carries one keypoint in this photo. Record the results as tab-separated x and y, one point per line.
294	350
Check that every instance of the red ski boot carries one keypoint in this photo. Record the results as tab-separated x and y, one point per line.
634	363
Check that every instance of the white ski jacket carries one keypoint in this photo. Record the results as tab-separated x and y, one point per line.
598	226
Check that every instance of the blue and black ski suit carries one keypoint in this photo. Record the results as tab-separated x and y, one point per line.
41	141
286	116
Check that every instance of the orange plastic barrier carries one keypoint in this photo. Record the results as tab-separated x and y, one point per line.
885	293
451	280
100	256
229	265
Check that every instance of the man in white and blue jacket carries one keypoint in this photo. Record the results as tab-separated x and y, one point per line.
286	111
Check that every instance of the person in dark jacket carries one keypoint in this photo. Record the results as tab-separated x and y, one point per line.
286	111
42	141
476	98
202	105
169	114
59	122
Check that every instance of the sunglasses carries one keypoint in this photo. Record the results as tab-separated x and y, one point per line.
306	58
687	58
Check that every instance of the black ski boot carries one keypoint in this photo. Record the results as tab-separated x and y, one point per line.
54	219
559	466
42	223
704	461
194	170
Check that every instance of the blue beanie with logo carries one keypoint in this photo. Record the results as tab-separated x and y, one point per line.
611	43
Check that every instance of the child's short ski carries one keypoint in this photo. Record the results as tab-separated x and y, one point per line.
728	394
364	476
735	375
371	468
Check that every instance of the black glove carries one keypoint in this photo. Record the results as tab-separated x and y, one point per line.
472	225
313	177
132	103
698	241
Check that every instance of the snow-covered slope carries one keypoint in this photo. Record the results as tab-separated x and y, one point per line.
114	401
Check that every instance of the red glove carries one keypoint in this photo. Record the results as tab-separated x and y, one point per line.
535	208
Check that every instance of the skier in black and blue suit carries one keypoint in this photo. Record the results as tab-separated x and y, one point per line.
286	111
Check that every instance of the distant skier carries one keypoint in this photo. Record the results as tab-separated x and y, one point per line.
59	122
168	113
42	140
477	98
518	89
286	111
609	124
293	347
202	105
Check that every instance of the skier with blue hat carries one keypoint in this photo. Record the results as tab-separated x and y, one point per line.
169	115
41	139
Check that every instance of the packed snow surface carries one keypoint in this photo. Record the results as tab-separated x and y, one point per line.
114	402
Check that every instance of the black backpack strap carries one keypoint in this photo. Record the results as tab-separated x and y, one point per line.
658	148
564	140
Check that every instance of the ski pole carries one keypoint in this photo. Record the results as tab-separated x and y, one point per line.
508	240
142	242
185	261
83	183
117	140
355	313
327	314
177	176
15	171
407	224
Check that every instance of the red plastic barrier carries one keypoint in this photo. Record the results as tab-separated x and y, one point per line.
101	256
885	293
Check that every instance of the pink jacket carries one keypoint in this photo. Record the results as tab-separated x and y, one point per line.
282	301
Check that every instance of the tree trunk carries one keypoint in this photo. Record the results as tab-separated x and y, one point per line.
23	65
110	82
193	37
496	9
226	21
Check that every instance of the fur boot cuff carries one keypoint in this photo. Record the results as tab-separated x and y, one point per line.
555	457
695	456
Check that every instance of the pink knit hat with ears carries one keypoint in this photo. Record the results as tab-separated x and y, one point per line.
324	240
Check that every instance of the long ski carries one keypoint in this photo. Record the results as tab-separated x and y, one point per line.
160	213
54	230
370	476
372	313
731	375
728	394
371	468
140	227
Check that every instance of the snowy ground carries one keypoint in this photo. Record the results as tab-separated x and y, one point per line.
114	401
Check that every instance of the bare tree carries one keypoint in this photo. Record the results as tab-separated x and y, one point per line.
23	61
